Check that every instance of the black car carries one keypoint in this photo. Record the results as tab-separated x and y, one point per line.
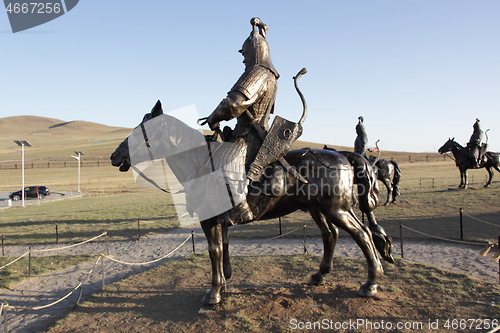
31	192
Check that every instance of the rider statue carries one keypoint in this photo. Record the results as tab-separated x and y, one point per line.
361	142
250	101
474	145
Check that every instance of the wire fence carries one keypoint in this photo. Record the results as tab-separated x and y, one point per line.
53	164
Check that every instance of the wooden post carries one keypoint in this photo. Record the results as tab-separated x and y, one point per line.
461	224
192	239
29	261
139	229
304	243
5	327
279	219
106	238
103	273
3	252
57	235
401	238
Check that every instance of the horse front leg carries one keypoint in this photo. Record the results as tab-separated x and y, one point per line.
329	234
225	252
213	232
463	178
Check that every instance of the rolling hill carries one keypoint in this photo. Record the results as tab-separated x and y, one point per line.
54	139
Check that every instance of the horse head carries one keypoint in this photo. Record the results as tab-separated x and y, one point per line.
121	156
448	146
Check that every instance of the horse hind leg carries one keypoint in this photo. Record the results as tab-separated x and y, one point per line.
490	173
362	236
329	234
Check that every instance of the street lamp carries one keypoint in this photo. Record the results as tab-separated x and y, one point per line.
78	158
22	143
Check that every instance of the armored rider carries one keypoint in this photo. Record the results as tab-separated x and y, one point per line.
361	142
250	101
474	145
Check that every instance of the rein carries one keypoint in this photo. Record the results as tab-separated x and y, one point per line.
450	157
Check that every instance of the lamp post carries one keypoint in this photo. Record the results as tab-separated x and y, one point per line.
79	153
22	143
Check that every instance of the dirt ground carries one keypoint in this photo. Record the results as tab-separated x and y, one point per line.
270	294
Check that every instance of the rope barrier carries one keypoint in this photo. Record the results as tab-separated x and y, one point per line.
10	263
444	239
283	234
58	301
69	246
149	262
475	218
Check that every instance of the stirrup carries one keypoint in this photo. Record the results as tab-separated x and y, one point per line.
239	214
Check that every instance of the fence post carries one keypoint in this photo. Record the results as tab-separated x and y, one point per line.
461	224
103	273
106	238
57	235
279	220
3	252
29	261
139	229
432	182
401	238
304	243
192	240
499	261
5	327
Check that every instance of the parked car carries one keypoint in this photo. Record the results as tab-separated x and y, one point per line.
31	192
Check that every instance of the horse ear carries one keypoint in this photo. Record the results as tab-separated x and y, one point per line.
157	110
453	139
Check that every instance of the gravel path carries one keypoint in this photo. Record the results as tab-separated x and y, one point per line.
42	290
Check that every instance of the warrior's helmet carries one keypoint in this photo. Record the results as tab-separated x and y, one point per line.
255	48
476	125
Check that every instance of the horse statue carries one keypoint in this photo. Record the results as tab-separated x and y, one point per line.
322	184
491	161
388	172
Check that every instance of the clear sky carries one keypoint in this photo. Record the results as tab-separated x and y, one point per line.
419	72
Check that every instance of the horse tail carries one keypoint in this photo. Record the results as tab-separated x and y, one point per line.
395	181
378	155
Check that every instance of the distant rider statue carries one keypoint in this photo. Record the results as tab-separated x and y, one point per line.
250	101
361	142
476	151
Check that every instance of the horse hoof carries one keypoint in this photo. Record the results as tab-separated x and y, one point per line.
211	299
367	291
316	280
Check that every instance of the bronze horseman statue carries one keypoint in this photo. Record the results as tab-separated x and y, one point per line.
271	180
361	142
472	156
250	101
476	151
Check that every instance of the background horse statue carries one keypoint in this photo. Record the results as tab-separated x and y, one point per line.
462	161
327	196
389	173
